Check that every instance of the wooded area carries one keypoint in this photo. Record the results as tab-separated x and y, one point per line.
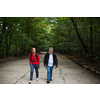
69	35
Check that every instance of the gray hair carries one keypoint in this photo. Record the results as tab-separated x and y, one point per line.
51	48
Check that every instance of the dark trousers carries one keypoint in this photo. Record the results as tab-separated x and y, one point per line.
32	70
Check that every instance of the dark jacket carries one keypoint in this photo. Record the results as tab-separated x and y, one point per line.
46	59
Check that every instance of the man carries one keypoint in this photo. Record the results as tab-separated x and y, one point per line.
50	60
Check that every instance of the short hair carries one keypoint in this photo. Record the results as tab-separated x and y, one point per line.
51	48
33	48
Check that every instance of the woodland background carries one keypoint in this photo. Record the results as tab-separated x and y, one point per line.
73	36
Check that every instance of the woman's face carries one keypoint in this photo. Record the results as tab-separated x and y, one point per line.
33	50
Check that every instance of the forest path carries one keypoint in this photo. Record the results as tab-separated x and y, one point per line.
68	72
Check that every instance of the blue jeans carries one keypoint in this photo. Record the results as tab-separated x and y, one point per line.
32	70
49	72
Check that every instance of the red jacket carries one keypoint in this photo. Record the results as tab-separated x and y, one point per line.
34	58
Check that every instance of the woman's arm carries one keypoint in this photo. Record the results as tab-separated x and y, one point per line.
29	58
38	58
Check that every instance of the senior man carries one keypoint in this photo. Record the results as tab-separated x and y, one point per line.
50	60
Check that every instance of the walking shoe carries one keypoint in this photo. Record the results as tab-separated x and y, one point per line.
36	79
48	81
30	82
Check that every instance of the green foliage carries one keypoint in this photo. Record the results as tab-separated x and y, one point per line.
19	35
66	39
70	35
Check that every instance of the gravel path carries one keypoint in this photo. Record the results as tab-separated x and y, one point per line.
18	72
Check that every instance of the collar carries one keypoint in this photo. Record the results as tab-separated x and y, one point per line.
32	53
50	54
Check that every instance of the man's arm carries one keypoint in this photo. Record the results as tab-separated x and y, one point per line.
45	60
56	60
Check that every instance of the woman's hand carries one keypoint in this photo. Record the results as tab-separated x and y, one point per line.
44	65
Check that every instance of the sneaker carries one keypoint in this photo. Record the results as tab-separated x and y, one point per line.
36	79
48	81
30	82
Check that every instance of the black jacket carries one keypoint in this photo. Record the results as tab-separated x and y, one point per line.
46	59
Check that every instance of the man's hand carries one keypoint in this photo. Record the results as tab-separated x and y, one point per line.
44	65
55	67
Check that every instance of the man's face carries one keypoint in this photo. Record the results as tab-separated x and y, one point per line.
50	50
33	50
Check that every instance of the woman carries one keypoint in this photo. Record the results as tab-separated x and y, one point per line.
34	62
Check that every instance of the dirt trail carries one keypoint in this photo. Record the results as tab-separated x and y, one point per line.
18	72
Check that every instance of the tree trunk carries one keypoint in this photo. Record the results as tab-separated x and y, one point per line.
75	26
3	32
69	42
91	41
7	42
